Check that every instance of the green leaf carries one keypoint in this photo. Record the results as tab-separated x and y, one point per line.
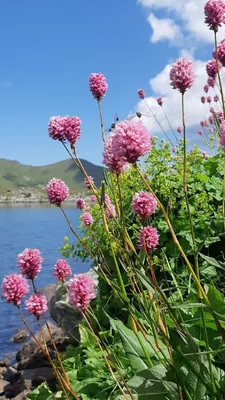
132	347
213	261
42	392
152	384
216	300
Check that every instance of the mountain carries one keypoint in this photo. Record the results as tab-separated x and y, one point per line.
14	175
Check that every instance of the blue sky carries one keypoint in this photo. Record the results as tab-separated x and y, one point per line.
48	50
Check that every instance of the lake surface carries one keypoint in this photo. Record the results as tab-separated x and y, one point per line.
38	227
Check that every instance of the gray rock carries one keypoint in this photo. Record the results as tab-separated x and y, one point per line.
4	363
22	395
11	375
4	385
37	360
20	337
2	371
31	348
38	375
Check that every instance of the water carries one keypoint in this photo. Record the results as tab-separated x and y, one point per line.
35	227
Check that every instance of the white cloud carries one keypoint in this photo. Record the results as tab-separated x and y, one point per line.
186	16
194	110
163	29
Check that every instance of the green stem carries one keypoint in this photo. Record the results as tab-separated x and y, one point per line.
223	104
101	121
170	125
186	192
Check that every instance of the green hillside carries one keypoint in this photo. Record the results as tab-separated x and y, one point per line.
14	175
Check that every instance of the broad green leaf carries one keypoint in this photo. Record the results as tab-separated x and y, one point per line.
42	392
152	384
213	261
133	348
216	300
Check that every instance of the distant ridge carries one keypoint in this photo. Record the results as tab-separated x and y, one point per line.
14	175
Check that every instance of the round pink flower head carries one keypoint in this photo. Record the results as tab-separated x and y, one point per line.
209	99
131	141
203	99
93	199
62	270
110	157
206	88
202	123
14	288
81	292
98	85
80	203
56	128
57	191
211	82
29	263
210	131
110	211
220	52
89	182
211	119
220	116
222	135
160	101
212	110
200	132
206	124
205	155
141	94
214	14
216	98
87	218
182	75
144	204
72	128
148	238
211	68
37	304
61	128
179	129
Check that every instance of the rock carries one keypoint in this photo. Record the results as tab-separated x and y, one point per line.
11	375
4	385
20	337
38	375
31	348
2	371
37	360
22	395
4	363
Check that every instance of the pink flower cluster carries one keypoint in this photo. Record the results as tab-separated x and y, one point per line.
62	270
211	69
89	182
144	204
206	88
200	132
110	210
81	291
37	304
182	75
87	219
125	145
98	85
148	238
57	191
216	98
14	288
215	14
220	52
203	99
29	262
160	101
222	135
61	128
141	94
211	82
179	130
80	203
